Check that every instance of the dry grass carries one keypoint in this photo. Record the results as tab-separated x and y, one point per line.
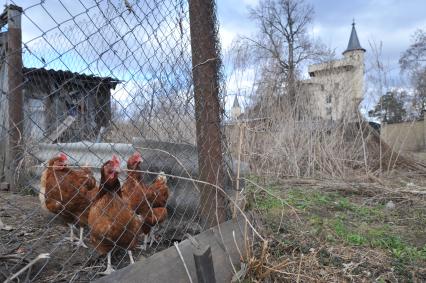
319	192
172	128
279	143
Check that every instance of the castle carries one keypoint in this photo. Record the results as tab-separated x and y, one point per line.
335	88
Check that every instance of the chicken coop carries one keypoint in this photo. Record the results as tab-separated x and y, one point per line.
65	106
88	87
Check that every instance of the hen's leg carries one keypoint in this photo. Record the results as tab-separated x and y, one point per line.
71	238
152	237
80	242
132	261
109	268
145	243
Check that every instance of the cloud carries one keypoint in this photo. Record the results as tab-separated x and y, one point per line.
251	2
234	20
390	21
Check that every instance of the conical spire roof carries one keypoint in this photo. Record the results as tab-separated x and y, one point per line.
236	103
353	41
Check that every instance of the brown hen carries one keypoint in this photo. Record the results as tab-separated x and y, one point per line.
149	202
68	193
112	222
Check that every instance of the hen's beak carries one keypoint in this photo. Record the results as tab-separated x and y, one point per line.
60	164
117	169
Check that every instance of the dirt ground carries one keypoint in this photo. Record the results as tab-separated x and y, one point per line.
34	232
335	231
317	231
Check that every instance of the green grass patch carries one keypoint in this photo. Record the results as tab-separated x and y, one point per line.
344	233
306	201
380	237
337	218
330	219
268	202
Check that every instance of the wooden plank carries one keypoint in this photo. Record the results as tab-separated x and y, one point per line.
60	130
166	266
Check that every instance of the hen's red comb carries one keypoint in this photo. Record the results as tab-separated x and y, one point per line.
137	156
62	156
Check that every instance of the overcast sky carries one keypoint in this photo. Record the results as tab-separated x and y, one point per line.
390	21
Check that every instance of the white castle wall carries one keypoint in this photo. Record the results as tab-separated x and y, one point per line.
337	87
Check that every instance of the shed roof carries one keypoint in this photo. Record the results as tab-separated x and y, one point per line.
64	76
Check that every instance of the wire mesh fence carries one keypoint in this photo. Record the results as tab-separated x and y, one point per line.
88	86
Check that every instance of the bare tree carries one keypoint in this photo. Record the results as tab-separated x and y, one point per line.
377	72
413	62
414	58
282	40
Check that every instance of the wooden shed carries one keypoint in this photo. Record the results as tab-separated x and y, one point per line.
59	106
62	106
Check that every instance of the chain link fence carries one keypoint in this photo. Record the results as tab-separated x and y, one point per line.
93	79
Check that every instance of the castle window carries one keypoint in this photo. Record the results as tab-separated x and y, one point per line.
328	110
328	99
322	87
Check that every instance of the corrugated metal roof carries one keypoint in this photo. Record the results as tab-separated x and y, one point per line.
68	75
353	41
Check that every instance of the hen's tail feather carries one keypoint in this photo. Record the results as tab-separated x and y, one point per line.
161	178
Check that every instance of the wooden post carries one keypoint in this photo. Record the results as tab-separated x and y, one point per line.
204	265
4	106
424	130
205	73
15	95
237	188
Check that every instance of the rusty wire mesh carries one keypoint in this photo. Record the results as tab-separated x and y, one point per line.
101	78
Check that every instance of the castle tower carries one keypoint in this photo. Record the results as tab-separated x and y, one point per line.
337	86
236	109
355	53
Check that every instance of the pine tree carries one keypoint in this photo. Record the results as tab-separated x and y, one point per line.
390	108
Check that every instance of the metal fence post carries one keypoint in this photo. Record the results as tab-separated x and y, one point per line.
205	73
15	81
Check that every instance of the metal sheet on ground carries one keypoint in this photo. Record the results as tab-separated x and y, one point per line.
167	266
